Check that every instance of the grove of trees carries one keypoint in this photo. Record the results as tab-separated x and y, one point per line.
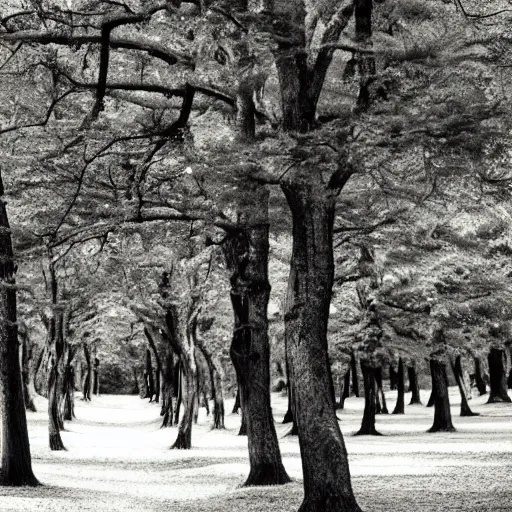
201	199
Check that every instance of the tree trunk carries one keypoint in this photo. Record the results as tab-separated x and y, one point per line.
149	377
236	405
400	398
480	384
345	393
414	384
393	378
432	397
27	373
368	423
69	391
167	388
40	382
378	382
246	255
179	392
442	413
217	393
498	381
355	379
189	398
16	461
465	410
96	377
86	387
327	483
158	362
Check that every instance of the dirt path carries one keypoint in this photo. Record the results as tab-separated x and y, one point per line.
119	460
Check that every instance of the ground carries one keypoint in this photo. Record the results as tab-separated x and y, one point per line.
118	459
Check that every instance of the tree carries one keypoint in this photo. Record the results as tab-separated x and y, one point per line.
16	467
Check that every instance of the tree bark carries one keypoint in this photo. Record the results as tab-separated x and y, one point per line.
442	413
247	258
345	393
400	399
432	397
16	461
149	376
327	483
55	380
414	384
236	405
355	379
216	387
498	381
167	387
189	397
27	372
96	377
393	378
158	362
86	387
465	410
379	390
179	392
368	423
480	384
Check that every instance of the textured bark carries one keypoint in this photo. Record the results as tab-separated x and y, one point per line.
400	398
414	384
189	397
16	467
56	378
379	391
368	423
179	393
465	410
480	383
327	483
247	259
498	380
167	387
442	413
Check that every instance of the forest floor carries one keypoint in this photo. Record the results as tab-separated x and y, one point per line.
118	459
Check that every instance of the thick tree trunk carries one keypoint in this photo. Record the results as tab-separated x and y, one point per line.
380	391
327	482
69	386
414	384
400	398
56	380
368	423
247	258
16	467
465	410
27	373
442	413
189	397
498	381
